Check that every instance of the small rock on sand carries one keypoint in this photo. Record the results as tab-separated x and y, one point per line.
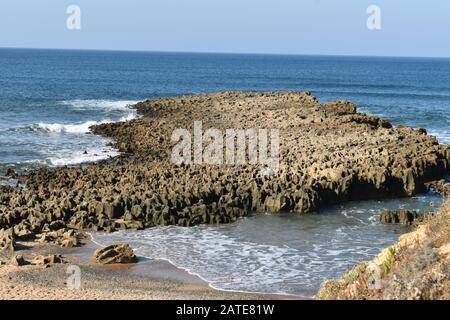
18	261
47	260
115	254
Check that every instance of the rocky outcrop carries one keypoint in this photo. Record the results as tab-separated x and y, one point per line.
329	153
65	238
440	186
115	254
403	217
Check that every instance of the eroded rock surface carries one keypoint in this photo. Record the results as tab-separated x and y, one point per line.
404	217
47	260
329	153
440	186
7	239
18	261
115	254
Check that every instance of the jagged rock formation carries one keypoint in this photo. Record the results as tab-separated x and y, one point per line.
115	254
404	217
329	153
440	186
7	239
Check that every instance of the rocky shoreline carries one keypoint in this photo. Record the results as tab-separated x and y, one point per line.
417	267
329	153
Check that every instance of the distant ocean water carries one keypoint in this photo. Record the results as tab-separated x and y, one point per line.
49	98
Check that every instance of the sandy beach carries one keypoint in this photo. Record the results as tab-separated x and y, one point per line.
146	280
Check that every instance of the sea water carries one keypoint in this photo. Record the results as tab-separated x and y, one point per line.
50	98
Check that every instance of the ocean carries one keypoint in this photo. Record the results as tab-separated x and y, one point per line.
49	98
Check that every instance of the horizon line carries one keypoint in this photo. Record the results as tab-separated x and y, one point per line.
225	53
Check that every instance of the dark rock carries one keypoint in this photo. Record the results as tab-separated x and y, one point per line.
404	217
113	210
422	131
54	226
440	186
18	261
10	173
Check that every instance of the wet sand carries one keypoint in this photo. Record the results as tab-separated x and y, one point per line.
146	280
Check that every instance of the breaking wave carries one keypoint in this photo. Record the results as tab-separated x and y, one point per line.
78	128
107	105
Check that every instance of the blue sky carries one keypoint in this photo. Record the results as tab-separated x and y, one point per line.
409	28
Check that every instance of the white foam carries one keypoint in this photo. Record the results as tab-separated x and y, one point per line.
79	157
9	182
228	263
83	127
79	149
102	104
191	272
67	157
69	128
129	117
78	128
443	136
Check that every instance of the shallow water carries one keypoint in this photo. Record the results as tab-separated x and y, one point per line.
289	254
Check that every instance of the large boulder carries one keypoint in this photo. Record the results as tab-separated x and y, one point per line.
115	254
